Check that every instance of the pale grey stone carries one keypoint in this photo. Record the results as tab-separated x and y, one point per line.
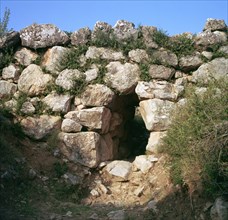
44	35
10	40
215	25
67	77
97	95
161	72
122	77
219	210
101	28
155	141
39	127
207	54
190	62
117	215
81	147
138	55
95	119
119	168
147	32
156	114
215	69
33	81
10	72
53	57
25	56
57	103
7	89
70	126
27	108
165	57
144	163
81	36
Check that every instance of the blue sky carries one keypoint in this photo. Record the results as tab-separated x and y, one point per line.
175	17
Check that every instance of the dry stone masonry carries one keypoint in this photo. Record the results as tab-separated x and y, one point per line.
88	86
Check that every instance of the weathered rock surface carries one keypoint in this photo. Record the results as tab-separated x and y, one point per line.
69	125
95	119
216	69
117	215
7	89
124	30
103	53
138	55
122	77
215	25
91	73
52	59
165	57
81	147
208	38
10	72
190	62
81	36
108	149
27	108
158	89
58	103
223	49
119	168
155	141
25	56
219	210
155	113
144	162
44	35
39	127
9	40
97	95
147	32
67	77
33	81
161	72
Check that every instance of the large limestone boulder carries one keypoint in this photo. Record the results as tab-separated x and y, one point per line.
191	62
161	72
207	39
52	59
42	35
119	168
165	57
70	126
67	77
124	30
103	53
39	127
215	25
158	89
122	77
156	114
216	69
10	72
81	147
95	119
7	89
155	141
81	36
25	56
33	81
97	95
147	33
138	55
58	103
9	40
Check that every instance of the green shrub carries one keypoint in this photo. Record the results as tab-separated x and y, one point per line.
144	68
6	58
197	140
4	23
161	38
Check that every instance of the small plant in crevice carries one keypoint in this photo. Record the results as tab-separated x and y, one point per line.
79	85
161	38
144	69
6	57
60	169
71	59
21	99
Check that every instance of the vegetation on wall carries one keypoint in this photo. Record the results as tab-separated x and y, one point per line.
197	140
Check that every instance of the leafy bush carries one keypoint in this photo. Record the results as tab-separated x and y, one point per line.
161	38
197	140
4	23
144	68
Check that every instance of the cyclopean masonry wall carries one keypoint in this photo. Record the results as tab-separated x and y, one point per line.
91	125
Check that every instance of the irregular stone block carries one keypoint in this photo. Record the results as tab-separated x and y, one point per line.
156	114
161	72
215	25
155	141
7	89
81	36
69	125
33	81
39	127
25	56
42	35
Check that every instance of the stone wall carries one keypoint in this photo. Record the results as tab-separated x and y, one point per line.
87	85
